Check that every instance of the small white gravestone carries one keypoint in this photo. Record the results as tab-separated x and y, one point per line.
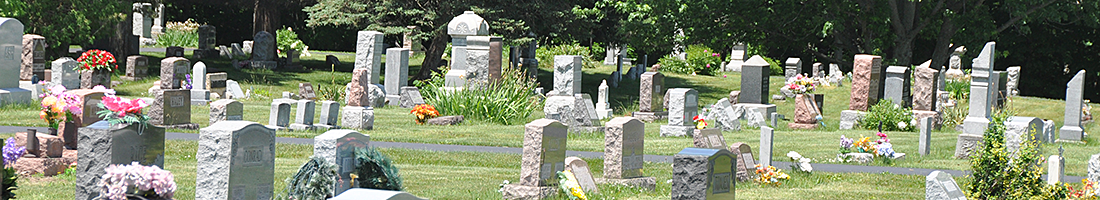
580	171
940	185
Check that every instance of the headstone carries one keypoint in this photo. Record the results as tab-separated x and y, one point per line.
754	81
293	59
338	147
236	160
460	28
173	71
237	51
11	35
1022	129
477	61
584	112
703	174
582	173
368	54
233	89
357	117
330	113
981	97
199	94
263	51
766	136
136	67
280	115
357	94
216	83
567	74
940	185
171	107
611	55
173	51
737	58
792	68
142	22
836	77
64	73
1071	126
207	42
303	120
925	88
1056	169
410	97
897	86
603	108
624	148
1094	168
805	112
864	89
1013	84
727	117
103	145
925	138
998	89
543	153
1049	135
817	70
34	57
955	63
226	109
651	97
966	145
710	138
683	106
305	91
397	73
359	193
746	163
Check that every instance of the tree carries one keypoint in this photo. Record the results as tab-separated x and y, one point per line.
65	22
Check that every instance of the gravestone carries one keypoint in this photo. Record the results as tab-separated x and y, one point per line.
1071	126
305	91
460	28
173	72
142	20
1056	169
817	70
64	73
357	117
767	134
1022	129
727	117
584	113
792	67
966	145
1049	136
293	59
103	145
216	83
246	46
897	86
683	106
330	113
1012	86
737	58
410	97
543	155
603	108
567	74
1094	168
171	108
233	90
746	163
236	160
263	51
924	146
137	66
207	41
303	120
338	147
199	94
754	81
34	57
624	150
373	194
710	138
368	53
173	51
940	185
237	52
864	89
397	73
477	61
226	109
836	77
11	35
703	174
582	173
925	89
651	97
358	114
280	115
981	95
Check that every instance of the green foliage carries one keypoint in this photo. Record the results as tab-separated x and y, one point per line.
999	175
773	66
10	180
700	60
287	40
375	171
953	116
508	101
546	54
179	38
112	117
315	180
958	89
65	22
332	91
891	116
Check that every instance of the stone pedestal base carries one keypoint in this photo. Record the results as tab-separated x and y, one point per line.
300	127
849	118
36	89
676	131
604	113
515	191
190	126
393	100
1070	134
796	125
650	117
10	96
937	119
354	117
967	145
647	183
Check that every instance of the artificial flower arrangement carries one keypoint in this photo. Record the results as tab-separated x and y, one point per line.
96	60
118	110
59	106
424	112
700	122
148	182
878	148
769	175
1087	191
801	84
800	163
12	153
187	83
570	186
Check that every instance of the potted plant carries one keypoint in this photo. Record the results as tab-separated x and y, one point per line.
95	68
58	107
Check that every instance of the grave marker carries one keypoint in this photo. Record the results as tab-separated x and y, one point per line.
397	73
651	97
940	185
897	86
746	163
263	51
105	145
305	91
303	120
1071	127
584	176
766	136
34	57
280	115
703	174
226	109
683	106
216	83
754	81
338	147
64	73
368	54
410	97
137	67
236	160
199	94
330	113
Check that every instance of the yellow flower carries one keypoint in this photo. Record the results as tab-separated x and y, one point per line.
49	101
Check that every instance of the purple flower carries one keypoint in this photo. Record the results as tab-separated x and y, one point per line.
13	152
118	178
845	142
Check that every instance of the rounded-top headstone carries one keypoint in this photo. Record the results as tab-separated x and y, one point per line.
264	47
467	24
11	41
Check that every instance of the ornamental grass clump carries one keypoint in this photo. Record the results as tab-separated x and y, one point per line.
508	101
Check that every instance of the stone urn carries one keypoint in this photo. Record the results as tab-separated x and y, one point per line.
91	78
805	112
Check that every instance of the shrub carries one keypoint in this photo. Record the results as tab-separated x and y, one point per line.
891	116
699	60
546	54
953	116
181	34
375	171
315	180
999	176
287	40
959	89
776	69
507	101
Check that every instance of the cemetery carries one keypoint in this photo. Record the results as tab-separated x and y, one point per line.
167	100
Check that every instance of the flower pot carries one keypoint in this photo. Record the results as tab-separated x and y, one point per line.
68	133
92	78
52	131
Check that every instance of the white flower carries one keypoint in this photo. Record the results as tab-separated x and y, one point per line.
804	160
794	155
902	125
805	166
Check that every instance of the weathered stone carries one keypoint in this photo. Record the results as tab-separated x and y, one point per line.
377	95
368	54
792	68
1013	84
924	88
727	117
955	64
544	145
263	49
397	73
567	74
624	147
703	174
64	73
173	72
357	117
862	83
171	107
805	113
226	109
1071	125
338	147
103	145
305	91
34	57
710	138
966	145
745	163
683	106
754	81
216	83
357	94
603	108
137	67
651	92
446	120
236	160
981	93
940	185
410	97
1019	130
1094	168
582	173
836	77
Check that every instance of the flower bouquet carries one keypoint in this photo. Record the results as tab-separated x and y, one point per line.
58	106
800	163
12	153
96	60
769	175
118	110
570	186
801	84
149	182
424	112
700	122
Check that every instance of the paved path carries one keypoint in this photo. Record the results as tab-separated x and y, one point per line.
822	167
162	49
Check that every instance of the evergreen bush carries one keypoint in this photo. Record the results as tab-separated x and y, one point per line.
375	171
315	180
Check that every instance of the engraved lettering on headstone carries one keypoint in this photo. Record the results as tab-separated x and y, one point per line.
9	52
137	153
347	164
177	101
238	192
234	117
252	156
721	182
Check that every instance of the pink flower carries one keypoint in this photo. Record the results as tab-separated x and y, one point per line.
123	105
715	54
708	65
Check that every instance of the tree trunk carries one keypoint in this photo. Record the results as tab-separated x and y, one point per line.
942	51
903	50
265	17
432	62
123	42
